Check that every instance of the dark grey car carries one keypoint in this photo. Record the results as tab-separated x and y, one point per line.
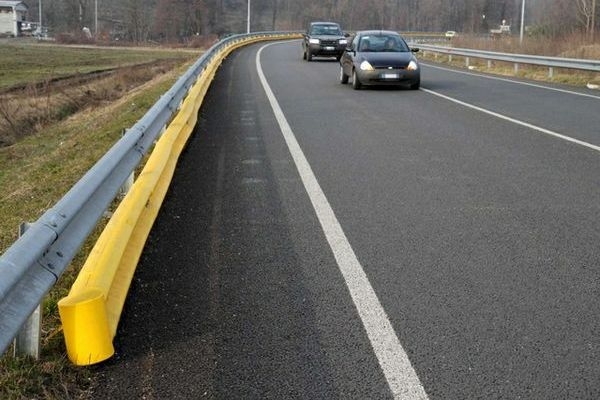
324	39
380	58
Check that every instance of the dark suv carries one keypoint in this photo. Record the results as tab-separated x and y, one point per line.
324	39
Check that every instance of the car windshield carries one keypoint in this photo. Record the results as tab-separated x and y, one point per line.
380	43
333	30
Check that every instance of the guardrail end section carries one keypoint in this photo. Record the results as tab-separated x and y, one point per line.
85	327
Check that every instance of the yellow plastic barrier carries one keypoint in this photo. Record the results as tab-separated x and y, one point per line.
90	313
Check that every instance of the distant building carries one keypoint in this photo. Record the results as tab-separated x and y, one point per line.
504	30
12	16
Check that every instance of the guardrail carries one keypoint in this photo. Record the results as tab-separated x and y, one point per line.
425	37
33	264
516	59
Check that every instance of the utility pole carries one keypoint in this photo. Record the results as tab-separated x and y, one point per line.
593	19
95	18
523	21
40	12
248	19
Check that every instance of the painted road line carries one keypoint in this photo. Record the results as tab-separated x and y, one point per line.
495	78
514	121
400	375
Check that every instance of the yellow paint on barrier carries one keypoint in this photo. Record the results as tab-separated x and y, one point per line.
91	312
86	309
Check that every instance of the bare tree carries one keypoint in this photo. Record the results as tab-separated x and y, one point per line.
585	14
138	20
174	19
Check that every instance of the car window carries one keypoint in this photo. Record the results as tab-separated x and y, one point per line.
382	43
365	44
333	30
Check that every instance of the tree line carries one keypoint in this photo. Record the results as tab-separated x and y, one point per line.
175	20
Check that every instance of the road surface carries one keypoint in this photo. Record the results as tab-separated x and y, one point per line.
324	243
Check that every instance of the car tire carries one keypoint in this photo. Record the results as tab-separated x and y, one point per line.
343	76
356	85
304	54
309	55
415	86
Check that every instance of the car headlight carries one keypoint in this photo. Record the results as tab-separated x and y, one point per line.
314	41
366	66
343	41
412	66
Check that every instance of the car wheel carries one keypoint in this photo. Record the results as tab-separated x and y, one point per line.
415	86
308	55
343	76
355	82
304	55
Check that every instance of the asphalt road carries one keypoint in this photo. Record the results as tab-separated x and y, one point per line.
440	243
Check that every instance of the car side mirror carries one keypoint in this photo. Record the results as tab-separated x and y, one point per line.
350	49
415	49
346	34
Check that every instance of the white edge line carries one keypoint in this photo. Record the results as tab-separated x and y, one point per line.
514	121
481	75
399	373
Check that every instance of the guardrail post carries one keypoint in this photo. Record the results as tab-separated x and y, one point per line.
550	72
489	62
127	185
467	62
129	181
516	68
449	57
27	342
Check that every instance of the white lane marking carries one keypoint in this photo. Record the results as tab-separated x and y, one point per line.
495	78
514	121
401	377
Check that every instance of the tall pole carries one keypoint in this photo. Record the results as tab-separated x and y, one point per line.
40	11
248	19
96	18
522	21
593	19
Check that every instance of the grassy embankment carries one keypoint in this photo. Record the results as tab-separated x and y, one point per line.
572	47
51	132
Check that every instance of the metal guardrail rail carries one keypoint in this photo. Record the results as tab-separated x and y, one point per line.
34	263
550	62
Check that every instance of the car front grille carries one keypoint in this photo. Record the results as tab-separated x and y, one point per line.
329	42
388	67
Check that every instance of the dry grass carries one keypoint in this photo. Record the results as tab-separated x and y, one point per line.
574	46
23	64
26	112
